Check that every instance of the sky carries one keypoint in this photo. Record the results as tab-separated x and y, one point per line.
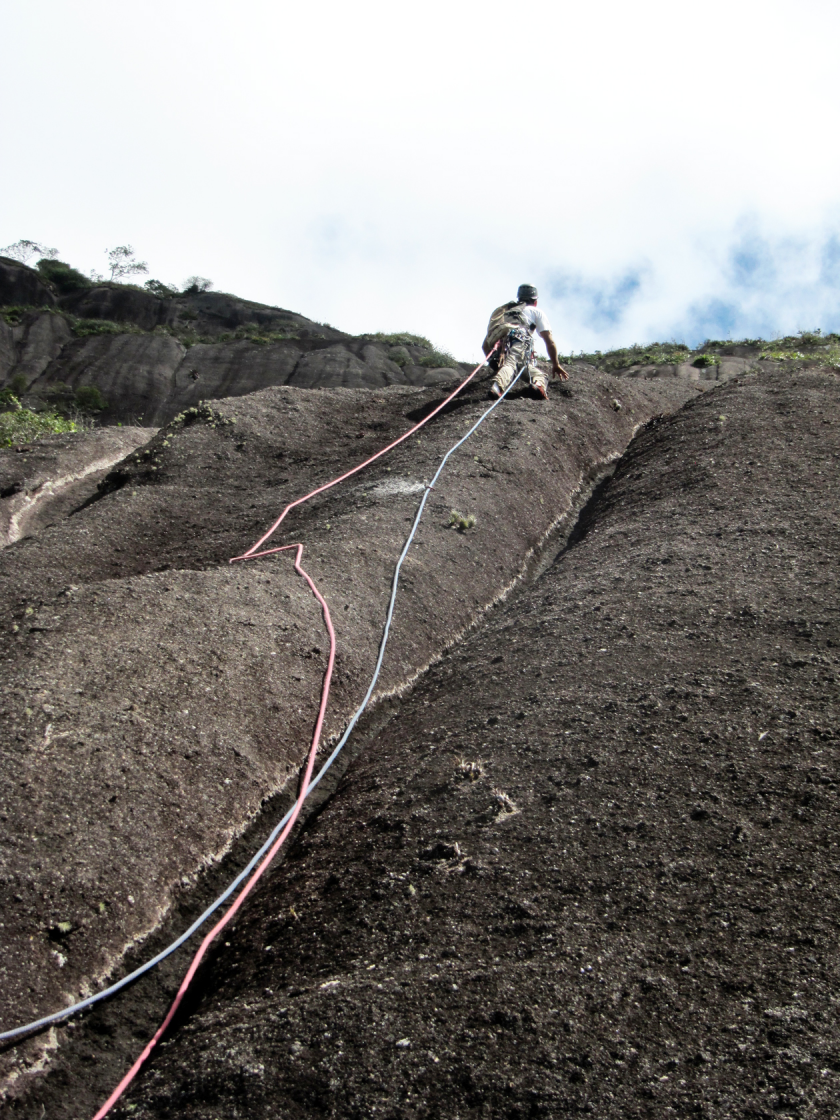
659	170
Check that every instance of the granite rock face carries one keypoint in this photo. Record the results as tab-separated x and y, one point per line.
39	340
22	286
211	313
148	378
584	861
152	357
724	370
155	696
590	867
135	373
8	350
217	312
119	304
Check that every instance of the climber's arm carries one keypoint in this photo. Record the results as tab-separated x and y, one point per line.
551	347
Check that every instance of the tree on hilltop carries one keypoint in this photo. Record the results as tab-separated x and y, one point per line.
195	284
164	291
122	262
24	250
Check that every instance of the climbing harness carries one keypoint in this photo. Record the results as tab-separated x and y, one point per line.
258	864
504	347
519	334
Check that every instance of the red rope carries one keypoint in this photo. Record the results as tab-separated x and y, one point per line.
269	856
329	485
252	554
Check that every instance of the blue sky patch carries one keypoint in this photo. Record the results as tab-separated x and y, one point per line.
600	304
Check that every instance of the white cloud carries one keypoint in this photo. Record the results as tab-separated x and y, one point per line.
384	166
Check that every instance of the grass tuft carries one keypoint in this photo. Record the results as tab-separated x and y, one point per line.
438	359
470	771
460	521
505	805
88	328
400	339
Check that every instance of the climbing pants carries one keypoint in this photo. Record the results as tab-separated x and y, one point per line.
516	355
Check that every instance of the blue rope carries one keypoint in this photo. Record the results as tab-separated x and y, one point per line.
222	899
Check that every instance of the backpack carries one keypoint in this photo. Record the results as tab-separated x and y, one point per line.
503	320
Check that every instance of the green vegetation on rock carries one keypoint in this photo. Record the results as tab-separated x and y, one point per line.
402	339
163	291
85	328
252	333
806	346
399	342
78	404
88	398
656	354
9	401
13	313
24	426
62	275
461	521
727	346
438	359
399	356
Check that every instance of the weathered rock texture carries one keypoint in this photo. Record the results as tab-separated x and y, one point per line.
156	696
591	867
209	312
46	481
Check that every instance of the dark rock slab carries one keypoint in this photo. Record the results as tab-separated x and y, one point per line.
210	313
155	696
705	375
119	305
37	340
8	349
22	286
591	867
134	372
336	366
215	312
151	377
228	369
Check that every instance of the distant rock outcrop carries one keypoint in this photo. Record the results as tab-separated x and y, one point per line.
23	286
151	357
119	304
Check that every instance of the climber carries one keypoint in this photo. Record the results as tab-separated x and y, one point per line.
513	325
